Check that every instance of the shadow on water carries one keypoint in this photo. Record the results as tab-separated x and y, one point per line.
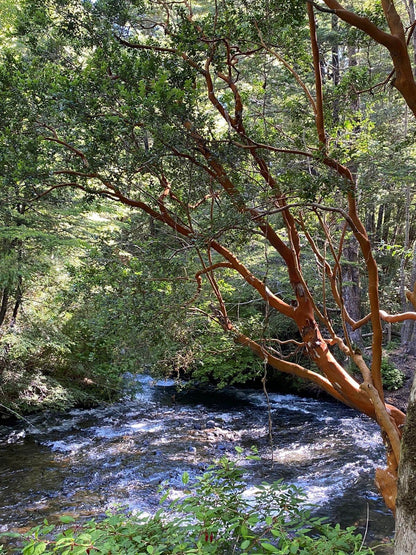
85	461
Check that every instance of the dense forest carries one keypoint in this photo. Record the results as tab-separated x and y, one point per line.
217	191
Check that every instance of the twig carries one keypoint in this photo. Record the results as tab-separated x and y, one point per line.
366	527
269	408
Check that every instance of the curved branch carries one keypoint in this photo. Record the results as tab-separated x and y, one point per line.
319	8
289	367
61	186
393	318
199	279
397	317
259	285
70	147
395	42
362	23
154	48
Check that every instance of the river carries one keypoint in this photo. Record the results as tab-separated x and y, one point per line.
83	462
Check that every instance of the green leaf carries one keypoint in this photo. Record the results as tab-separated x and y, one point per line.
62	542
269	547
244	530
10	535
66	519
39	548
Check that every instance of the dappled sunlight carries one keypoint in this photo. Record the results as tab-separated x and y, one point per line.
86	461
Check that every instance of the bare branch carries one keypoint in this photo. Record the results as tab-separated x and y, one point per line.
397	317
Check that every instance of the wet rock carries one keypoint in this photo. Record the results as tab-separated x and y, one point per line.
16	436
325	448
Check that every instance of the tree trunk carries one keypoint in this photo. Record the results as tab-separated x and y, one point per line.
3	307
386	222
335	69
351	288
410	6
408	331
379	224
405	539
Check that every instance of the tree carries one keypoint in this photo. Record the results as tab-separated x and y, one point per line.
395	41
211	123
397	44
406	510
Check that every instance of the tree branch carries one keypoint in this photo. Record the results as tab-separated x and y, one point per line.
320	8
362	23
319	112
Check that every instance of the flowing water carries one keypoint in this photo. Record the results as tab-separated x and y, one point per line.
86	461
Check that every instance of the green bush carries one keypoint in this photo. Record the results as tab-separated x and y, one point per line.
393	378
214	517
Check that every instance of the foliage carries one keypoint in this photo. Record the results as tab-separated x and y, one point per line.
209	122
393	378
215	516
238	133
35	349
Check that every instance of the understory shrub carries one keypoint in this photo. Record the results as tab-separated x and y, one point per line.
216	515
393	378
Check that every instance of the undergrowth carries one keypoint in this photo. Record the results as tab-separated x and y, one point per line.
215	516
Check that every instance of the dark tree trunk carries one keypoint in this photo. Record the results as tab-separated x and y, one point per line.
351	288
370	221
335	69
18	302
379	225
386	222
4	303
405	539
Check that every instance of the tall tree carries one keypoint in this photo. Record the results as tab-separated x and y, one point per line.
212	124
